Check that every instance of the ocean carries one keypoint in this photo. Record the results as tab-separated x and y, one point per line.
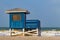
50	28
4	28
42	28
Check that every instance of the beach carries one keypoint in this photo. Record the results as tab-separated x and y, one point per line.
45	35
28	38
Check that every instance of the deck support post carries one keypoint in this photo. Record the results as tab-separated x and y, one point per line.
23	31
37	31
10	31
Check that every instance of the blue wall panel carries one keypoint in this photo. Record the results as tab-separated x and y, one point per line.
32	24
17	23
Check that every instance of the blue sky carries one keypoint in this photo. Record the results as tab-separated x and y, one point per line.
47	11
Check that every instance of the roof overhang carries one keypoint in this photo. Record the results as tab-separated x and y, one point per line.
17	10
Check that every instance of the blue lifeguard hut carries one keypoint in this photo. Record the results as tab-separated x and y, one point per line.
19	23
17	17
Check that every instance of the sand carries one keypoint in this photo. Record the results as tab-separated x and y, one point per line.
28	38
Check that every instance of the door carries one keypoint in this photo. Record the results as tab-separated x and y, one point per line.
16	21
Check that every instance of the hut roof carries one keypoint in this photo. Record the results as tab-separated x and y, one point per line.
17	10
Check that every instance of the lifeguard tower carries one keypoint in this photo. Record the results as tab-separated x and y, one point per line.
19	25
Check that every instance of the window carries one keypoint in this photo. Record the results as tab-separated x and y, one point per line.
16	17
